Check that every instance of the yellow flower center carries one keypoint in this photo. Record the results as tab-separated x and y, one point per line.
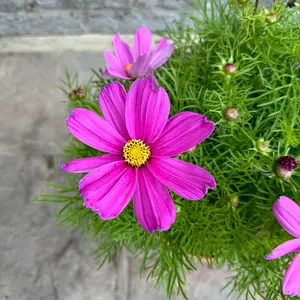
136	153
127	67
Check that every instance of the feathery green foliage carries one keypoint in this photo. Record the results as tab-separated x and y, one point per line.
265	89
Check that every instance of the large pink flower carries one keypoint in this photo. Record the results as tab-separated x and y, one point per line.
129	64
140	141
287	212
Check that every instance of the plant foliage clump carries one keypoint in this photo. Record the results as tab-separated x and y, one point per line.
233	224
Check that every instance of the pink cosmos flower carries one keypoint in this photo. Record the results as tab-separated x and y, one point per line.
129	64
140	141
287	212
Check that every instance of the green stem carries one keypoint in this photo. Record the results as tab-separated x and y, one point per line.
256	5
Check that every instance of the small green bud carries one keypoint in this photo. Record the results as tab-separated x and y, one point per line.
262	146
177	208
231	113
234	199
192	149
229	68
271	18
243	1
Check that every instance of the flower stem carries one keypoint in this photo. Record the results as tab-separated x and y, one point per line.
256	5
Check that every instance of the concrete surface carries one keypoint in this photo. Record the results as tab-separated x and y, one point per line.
46	17
39	261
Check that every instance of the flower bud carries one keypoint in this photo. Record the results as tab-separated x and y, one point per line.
261	146
285	166
77	94
234	199
271	18
243	1
291	3
191	150
229	68
231	113
178	208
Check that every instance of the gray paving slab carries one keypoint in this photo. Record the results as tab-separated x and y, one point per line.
38	260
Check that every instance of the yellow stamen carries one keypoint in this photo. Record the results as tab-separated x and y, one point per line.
127	67
136	153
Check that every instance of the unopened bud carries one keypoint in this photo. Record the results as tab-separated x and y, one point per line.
178	208
271	18
230	68
77	94
234	200
291	3
243	1
285	166
262	147
231	113
191	150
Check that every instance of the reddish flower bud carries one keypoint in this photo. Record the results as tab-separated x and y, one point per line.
230	68
285	166
76	94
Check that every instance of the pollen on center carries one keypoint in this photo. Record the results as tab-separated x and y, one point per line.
127	67
136	153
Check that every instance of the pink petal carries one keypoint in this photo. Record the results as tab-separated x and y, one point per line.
159	57
112	100
115	69
287	212
90	183
140	67
187	180
105	74
108	189
112	60
92	130
88	164
147	109
182	132
291	280
142	42
122	51
285	248
162	43
118	73
152	203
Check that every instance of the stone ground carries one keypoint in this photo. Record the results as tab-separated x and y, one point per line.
39	261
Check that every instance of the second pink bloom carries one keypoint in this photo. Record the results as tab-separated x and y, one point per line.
128	64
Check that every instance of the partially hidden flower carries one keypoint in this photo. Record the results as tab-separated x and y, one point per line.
141	142
140	61
287	212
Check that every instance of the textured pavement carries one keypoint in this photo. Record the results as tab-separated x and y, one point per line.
39	261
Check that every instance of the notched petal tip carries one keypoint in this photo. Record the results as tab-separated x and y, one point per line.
152	82
105	74
213	184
